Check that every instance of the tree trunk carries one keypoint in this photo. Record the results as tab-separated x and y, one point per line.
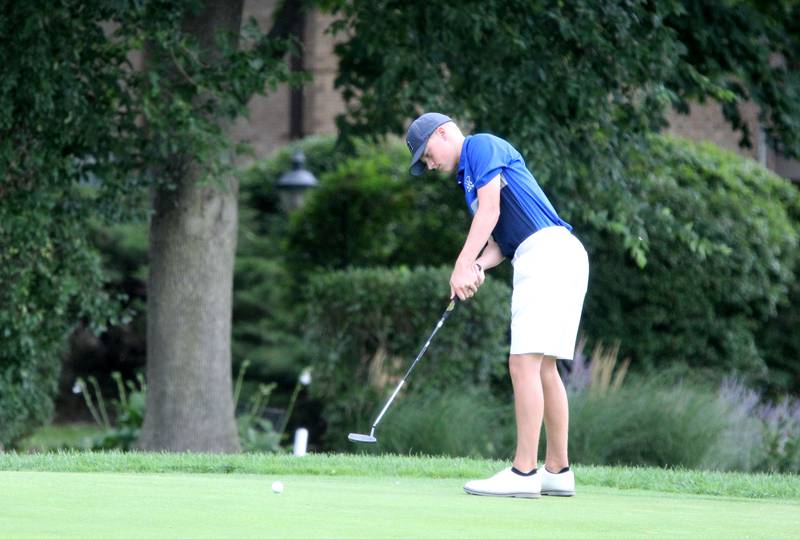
190	287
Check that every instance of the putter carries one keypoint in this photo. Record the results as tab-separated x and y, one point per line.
370	438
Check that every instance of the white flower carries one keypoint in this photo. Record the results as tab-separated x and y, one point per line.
76	388
305	377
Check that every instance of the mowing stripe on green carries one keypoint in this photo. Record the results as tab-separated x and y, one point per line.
39	505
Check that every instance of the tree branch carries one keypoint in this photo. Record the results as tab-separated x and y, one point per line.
286	19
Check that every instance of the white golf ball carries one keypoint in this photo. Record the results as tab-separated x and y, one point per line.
277	487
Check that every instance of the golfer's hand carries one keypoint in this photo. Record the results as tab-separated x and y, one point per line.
481	273
464	281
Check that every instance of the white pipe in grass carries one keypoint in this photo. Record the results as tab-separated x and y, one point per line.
300	442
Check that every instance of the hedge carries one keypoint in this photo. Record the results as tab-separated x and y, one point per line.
366	326
720	235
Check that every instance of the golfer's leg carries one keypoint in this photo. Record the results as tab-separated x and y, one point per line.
528	404
556	416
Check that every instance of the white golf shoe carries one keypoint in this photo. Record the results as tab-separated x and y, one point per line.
557	484
506	483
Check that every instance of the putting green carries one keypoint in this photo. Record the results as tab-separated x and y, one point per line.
103	505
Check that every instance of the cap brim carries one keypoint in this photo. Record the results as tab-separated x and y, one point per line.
417	167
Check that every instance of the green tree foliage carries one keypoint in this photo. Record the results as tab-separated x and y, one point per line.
735	51
82	134
60	116
574	85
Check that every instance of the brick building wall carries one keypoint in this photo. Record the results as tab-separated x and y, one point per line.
706	123
267	126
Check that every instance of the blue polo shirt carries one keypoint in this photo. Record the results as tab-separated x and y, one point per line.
524	208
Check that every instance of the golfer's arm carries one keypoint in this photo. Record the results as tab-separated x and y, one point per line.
491	255
483	222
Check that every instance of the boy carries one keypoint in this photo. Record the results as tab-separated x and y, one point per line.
512	218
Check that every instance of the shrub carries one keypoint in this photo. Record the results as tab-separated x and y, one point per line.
258	184
644	423
49	278
722	255
365	327
674	420
264	314
256	432
780	342
782	436
457	421
121	428
266	303
632	420
27	398
741	446
720	234
771	429
122	347
121	420
371	212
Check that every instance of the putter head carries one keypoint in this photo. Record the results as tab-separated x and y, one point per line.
362	438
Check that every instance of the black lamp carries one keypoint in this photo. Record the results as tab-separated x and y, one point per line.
294	184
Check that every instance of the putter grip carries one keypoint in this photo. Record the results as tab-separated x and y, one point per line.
453	302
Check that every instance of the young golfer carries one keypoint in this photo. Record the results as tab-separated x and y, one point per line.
512	218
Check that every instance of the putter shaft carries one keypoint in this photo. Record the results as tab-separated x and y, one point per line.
444	317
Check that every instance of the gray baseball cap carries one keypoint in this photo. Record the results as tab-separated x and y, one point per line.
417	137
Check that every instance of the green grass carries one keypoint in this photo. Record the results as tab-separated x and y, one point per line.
370	466
54	437
145	505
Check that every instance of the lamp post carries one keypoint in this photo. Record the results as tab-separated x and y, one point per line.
294	184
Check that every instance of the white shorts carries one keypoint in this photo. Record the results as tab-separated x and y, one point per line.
551	273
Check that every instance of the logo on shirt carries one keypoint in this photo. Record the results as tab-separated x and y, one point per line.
469	185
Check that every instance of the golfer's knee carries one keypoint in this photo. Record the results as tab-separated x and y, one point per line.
549	367
524	366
